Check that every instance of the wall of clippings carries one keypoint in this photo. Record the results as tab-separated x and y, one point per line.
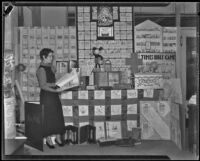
62	40
116	50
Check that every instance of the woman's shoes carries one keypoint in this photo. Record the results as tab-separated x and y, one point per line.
60	144
50	146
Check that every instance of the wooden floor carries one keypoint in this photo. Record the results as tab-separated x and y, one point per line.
146	148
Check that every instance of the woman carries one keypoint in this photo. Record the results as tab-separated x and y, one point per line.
49	98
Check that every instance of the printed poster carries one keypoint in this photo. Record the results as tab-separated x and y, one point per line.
155	120
132	109
99	110
83	110
150	81
67	111
113	129
131	124
83	94
100	130
115	94
66	95
99	94
83	124
148	93
115	109
132	93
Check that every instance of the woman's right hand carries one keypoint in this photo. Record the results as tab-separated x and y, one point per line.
59	90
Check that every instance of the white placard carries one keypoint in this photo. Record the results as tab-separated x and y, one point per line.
116	94
99	94
100	130
132	109
131	124
132	93
83	124
66	95
113	129
69	123
83	110
67	110
148	81
83	94
116	110
99	110
148	93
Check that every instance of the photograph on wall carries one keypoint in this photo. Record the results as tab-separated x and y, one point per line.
62	66
148	93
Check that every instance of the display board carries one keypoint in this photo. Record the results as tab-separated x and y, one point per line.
62	40
116	50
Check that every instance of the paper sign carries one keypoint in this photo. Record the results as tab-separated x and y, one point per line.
99	110
83	110
116	94
115	109
83	94
150	81
113	129
99	94
132	93
100	130
66	95
131	124
148	93
83	124
67	110
132	109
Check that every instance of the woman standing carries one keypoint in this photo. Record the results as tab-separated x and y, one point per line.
49	98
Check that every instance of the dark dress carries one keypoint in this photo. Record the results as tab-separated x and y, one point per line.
53	113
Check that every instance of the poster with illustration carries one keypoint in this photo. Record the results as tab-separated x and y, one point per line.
67	111
100	130
132	93
99	94
132	109
99	110
113	129
131	124
116	110
115	94
148	93
83	110
155	120
82	94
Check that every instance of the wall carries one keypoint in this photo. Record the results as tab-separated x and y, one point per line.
53	16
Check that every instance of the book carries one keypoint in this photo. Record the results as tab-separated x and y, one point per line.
69	80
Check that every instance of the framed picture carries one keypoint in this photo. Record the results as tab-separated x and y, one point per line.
113	78
62	66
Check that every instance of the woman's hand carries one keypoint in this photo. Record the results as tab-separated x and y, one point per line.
59	90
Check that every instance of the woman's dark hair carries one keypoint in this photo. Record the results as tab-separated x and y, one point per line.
45	52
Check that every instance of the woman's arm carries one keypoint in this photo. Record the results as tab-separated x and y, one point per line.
41	75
